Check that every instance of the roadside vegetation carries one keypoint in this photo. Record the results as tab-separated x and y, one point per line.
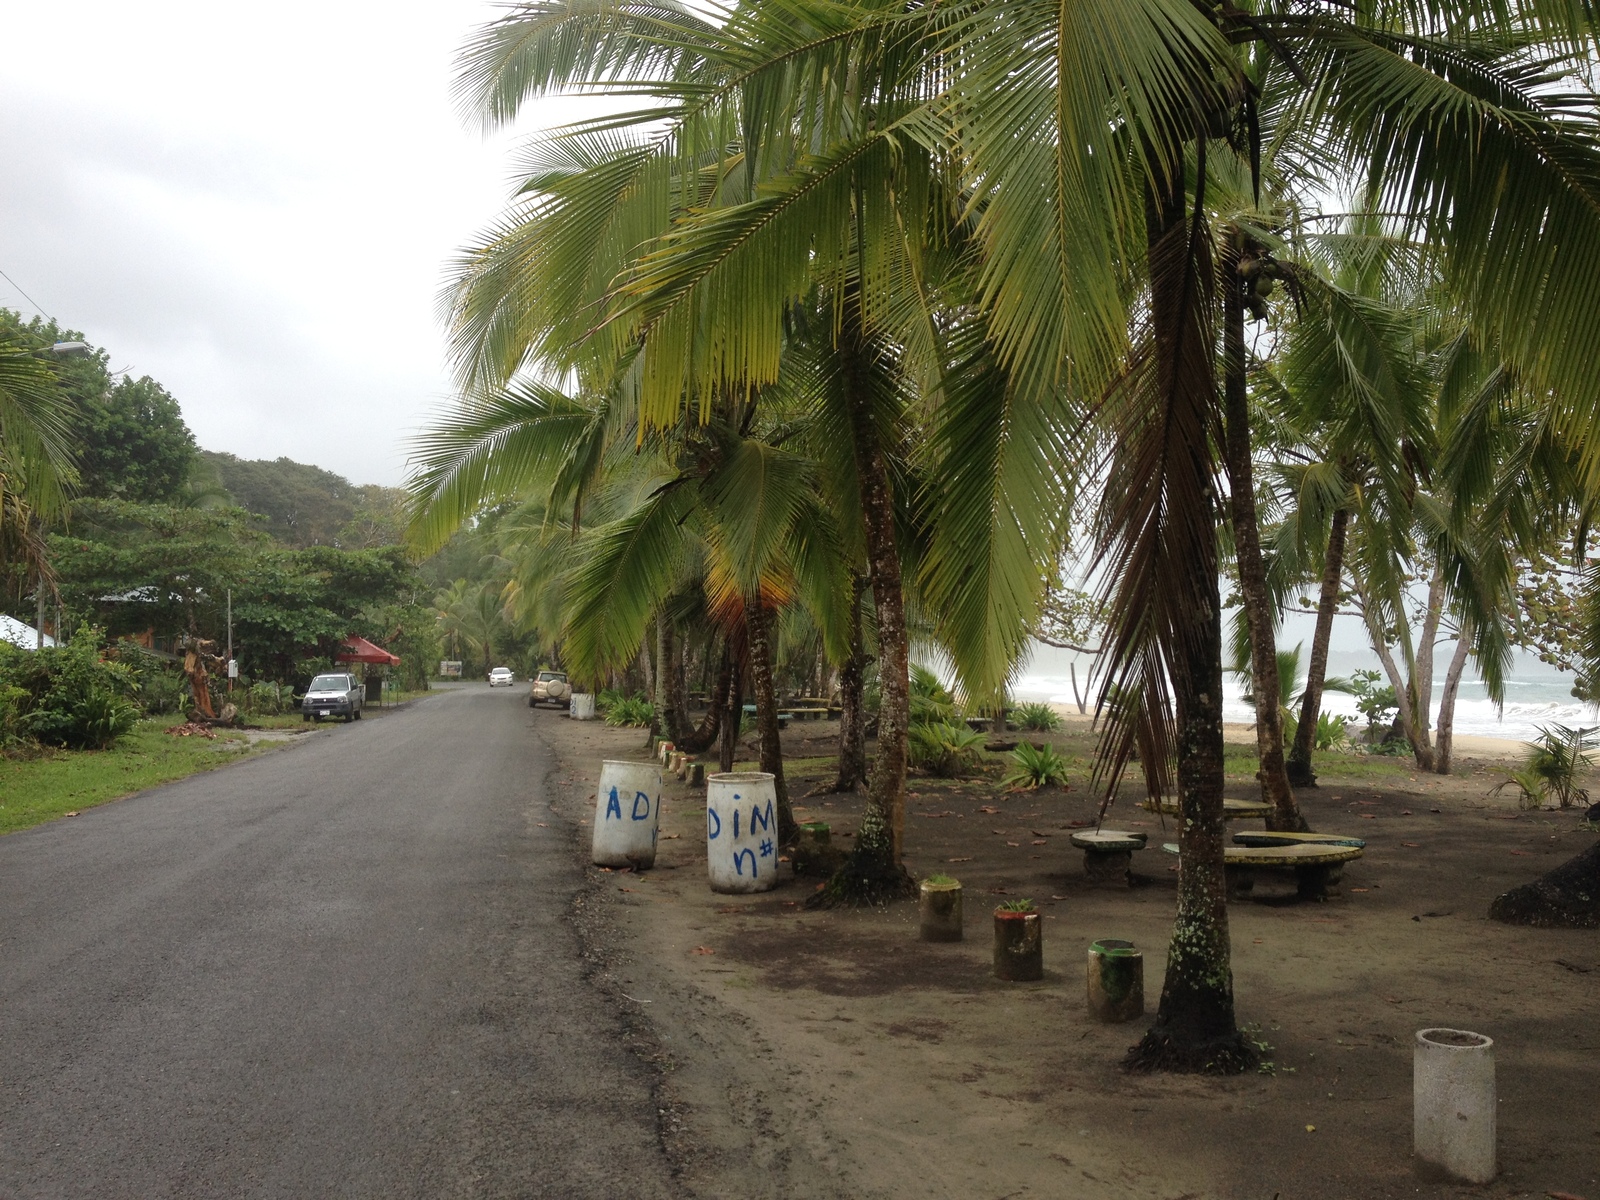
50	783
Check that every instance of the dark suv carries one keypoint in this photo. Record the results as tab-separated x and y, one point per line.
332	696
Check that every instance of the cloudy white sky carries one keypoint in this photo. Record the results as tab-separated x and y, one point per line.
251	203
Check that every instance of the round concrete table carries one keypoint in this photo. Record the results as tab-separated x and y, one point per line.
1232	810
1270	838
1315	865
1108	855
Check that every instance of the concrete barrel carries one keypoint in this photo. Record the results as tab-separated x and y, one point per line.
581	707
1018	945
1116	981
1453	1105
939	911
627	814
741	831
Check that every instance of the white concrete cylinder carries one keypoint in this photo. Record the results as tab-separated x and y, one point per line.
581	706
741	831
1453	1104
627	814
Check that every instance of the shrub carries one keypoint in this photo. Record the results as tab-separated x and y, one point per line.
605	698
1036	717
1018	906
1377	704
1034	768
944	748
632	710
267	699
70	696
12	738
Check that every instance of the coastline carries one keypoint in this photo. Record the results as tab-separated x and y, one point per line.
1467	745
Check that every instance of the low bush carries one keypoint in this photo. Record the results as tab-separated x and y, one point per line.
1036	717
944	748
1035	768
1552	770
631	710
69	695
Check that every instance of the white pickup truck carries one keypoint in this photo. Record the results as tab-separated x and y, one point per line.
550	687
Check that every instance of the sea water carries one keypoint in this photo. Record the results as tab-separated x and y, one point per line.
1536	695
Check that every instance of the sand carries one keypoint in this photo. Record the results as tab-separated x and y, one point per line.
832	1054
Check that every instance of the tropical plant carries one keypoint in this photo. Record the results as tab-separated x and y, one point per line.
1037	717
1036	767
944	748
1555	765
1332	732
632	710
931	703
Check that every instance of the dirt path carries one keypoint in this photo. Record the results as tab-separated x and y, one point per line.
833	1054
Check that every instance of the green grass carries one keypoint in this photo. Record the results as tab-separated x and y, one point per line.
34	791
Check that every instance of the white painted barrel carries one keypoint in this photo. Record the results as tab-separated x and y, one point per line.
581	706
741	831
627	814
1453	1098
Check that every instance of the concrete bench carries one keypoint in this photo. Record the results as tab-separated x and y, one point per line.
1108	855
808	714
1314	864
1232	810
783	717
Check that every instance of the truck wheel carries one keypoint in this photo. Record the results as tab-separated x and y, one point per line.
306	717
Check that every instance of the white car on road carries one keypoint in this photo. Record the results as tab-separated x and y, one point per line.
501	675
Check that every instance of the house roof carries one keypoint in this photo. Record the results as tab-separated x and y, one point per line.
21	634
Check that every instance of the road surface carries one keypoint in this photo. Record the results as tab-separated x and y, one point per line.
341	969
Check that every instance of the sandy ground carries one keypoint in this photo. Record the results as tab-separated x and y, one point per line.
832	1054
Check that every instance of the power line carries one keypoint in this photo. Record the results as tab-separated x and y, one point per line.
25	295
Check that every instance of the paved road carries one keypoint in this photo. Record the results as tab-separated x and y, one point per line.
342	969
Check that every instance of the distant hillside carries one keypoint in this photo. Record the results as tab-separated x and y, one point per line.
308	506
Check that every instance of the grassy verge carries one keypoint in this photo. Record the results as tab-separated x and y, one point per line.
36	790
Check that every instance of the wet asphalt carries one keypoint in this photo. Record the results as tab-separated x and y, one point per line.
341	969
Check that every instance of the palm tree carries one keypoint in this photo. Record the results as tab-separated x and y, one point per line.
37	467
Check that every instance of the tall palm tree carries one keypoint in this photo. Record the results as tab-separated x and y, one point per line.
37	466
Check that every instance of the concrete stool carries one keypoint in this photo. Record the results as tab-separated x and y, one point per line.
1108	855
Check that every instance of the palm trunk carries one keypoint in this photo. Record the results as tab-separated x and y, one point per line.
1422	671
732	702
874	870
852	717
1272	774
1445	746
1299	765
1405	698
669	720
755	620
699	740
1194	1029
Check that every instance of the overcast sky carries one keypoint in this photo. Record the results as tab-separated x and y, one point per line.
252	204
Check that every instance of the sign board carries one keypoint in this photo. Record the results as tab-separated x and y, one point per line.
449	669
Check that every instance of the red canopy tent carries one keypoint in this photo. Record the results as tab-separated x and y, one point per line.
359	650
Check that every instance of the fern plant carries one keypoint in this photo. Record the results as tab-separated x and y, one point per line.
1035	767
944	748
630	710
1036	717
